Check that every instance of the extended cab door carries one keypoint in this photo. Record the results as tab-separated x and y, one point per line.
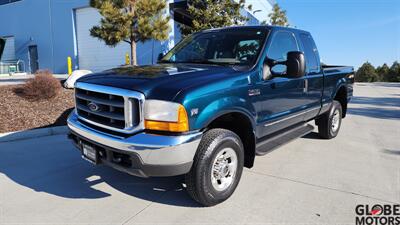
314	79
281	98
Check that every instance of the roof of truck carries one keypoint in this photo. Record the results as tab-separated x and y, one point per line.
268	27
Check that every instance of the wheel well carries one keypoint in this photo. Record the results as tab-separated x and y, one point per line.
241	125
341	96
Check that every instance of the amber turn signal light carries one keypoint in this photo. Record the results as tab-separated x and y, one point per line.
182	125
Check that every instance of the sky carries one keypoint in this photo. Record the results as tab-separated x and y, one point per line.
349	32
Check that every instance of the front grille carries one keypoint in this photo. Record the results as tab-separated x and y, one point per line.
115	111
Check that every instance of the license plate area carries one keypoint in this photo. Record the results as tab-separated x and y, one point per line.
89	153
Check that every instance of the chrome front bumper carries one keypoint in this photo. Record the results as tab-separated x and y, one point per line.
151	154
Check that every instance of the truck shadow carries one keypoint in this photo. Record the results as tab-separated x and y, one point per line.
60	121
375	107
376	101
312	135
58	170
391	151
375	112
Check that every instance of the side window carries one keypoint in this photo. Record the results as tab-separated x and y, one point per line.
311	54
282	43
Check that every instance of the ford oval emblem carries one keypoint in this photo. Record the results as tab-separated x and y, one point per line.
93	107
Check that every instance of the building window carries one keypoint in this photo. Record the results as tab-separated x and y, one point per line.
3	2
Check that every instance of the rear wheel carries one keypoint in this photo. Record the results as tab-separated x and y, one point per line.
217	167
330	122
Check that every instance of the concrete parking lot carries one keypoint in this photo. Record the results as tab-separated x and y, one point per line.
21	79
308	181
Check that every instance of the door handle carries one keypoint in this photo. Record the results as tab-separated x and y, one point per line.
305	88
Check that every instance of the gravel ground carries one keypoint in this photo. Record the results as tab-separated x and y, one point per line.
18	113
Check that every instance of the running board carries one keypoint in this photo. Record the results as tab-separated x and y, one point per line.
280	139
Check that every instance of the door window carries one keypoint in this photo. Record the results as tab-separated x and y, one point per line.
282	43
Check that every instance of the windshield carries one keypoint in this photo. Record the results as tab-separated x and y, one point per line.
233	47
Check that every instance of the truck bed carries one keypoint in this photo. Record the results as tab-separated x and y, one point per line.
336	68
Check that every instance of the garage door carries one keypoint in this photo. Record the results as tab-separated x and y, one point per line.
9	49
93	54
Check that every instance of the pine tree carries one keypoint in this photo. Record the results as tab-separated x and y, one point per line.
131	21
383	72
207	14
394	73
278	16
366	73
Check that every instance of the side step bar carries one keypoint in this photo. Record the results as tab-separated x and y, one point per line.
276	140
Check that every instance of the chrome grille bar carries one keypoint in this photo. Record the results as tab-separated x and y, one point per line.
99	100
106	114
115	109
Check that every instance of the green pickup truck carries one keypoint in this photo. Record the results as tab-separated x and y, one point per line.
215	101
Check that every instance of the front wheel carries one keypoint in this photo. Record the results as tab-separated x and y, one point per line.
330	122
217	167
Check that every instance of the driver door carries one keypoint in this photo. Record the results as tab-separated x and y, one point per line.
281	98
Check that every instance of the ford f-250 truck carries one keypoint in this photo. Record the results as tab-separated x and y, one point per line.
215	101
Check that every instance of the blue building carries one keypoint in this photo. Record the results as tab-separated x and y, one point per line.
43	33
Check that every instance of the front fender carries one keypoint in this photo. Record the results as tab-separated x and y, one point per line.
224	106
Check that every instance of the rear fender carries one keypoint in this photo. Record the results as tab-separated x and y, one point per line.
340	83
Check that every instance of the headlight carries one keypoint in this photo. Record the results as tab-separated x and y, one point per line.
165	116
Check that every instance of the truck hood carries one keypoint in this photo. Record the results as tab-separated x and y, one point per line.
162	81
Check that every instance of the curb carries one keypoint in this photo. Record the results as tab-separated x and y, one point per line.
29	134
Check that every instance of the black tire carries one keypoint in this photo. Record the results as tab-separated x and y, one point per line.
326	129
198	180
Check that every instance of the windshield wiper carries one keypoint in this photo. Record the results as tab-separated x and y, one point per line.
165	61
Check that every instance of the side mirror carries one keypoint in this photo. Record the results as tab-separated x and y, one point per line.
160	56
295	65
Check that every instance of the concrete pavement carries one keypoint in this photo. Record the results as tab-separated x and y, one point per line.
308	181
21	79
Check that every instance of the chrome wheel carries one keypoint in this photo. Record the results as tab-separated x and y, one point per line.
224	169
335	120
